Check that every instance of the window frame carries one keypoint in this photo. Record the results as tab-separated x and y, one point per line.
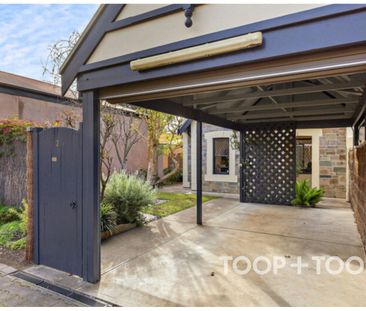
214	139
232	177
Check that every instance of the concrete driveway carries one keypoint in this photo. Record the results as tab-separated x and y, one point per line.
173	262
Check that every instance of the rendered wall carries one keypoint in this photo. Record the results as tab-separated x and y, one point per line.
41	111
206	18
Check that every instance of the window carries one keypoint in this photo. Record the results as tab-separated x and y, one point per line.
221	156
303	155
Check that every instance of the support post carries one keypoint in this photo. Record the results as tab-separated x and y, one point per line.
364	124
241	167
30	228
32	248
199	171
90	186
356	135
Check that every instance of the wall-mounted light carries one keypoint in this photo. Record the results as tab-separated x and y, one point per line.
188	12
200	51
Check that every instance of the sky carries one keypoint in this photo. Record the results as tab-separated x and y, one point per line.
27	30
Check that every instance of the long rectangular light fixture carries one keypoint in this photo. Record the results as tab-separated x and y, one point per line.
201	51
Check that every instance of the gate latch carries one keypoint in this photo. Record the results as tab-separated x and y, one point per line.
73	204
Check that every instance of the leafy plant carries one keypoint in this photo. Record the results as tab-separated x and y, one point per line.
108	218
127	195
11	233
9	214
305	195
13	228
11	131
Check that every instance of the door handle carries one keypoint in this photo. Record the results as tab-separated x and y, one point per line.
73	204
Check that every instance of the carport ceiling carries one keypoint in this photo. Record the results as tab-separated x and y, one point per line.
322	99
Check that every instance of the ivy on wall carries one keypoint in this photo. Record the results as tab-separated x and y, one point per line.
12	131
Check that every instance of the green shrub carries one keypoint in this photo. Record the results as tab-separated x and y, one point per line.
11	233
108	218
305	195
9	214
128	195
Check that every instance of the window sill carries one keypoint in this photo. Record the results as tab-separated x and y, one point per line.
221	178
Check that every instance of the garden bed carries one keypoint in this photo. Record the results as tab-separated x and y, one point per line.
13	258
117	230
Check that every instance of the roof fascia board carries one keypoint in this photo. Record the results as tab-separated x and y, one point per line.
323	35
133	20
35	94
266	25
88	45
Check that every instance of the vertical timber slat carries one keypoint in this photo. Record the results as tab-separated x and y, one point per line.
199	172
35	194
90	186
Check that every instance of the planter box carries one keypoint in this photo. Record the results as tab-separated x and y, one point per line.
117	230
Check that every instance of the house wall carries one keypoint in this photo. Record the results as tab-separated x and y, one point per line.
218	183
333	162
329	160
186	155
209	184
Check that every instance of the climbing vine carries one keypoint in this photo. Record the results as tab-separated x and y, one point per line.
11	131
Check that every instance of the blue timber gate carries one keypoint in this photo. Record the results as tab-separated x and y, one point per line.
57	199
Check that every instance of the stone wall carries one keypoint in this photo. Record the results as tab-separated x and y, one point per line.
333	161
357	192
13	170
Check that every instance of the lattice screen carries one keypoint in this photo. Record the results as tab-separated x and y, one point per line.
269	164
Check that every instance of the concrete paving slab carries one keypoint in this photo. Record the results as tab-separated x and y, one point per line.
15	292
5	269
55	276
332	225
135	242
